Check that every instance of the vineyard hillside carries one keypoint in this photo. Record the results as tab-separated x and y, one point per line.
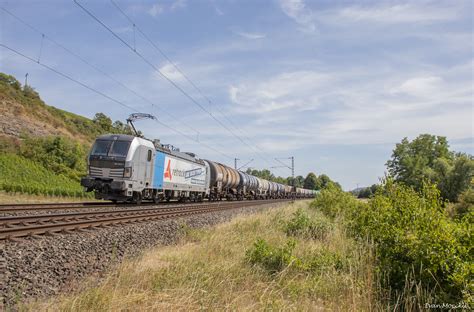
43	148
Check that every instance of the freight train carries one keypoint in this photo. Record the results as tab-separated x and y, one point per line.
130	168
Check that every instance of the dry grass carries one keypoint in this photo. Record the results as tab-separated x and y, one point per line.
208	270
17	198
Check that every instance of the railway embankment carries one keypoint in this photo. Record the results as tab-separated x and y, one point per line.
278	259
41	266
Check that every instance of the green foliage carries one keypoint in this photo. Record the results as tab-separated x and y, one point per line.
273	259
57	154
366	192
302	225
20	175
321	260
31	93
465	205
265	174
333	201
427	158
413	235
10	81
311	182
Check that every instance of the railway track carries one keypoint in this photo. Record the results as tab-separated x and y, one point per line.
12	227
8	208
13	208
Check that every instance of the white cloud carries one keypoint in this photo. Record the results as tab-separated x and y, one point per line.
178	4
288	90
251	36
171	72
156	9
159	8
399	13
419	86
297	10
343	107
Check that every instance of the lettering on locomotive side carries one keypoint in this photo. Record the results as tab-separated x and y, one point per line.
192	173
188	173
183	172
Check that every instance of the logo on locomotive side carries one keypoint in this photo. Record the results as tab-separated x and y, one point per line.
168	170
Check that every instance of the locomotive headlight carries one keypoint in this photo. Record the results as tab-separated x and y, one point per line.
127	172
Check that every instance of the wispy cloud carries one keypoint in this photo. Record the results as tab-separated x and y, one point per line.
178	4
300	13
287	90
156	9
170	71
399	13
357	107
161	7
249	35
419	86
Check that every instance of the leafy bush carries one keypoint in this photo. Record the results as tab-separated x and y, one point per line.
413	236
302	225
57	154
273	259
333	201
465	204
321	260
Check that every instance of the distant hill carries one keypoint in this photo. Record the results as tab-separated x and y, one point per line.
36	135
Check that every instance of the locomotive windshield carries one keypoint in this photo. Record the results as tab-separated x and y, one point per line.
110	148
101	148
119	149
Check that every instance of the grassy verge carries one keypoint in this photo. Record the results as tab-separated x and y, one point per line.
292	258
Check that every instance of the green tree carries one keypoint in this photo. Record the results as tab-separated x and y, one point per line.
311	182
428	158
324	180
103	121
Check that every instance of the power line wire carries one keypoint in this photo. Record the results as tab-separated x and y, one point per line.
186	94
164	55
44	36
104	95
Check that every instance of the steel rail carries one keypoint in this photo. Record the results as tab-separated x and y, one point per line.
74	215
14	208
68	225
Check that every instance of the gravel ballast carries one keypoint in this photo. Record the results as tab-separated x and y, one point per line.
35	268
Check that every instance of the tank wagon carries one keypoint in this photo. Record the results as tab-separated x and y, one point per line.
130	168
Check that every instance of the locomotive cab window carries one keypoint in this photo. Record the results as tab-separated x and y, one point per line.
149	155
100	148
119	149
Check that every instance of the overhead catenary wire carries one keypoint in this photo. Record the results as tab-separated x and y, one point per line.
94	67
179	88
70	78
45	36
255	147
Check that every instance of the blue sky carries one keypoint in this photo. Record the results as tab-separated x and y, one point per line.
333	83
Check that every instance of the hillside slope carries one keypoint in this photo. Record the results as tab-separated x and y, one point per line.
45	140
22	112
